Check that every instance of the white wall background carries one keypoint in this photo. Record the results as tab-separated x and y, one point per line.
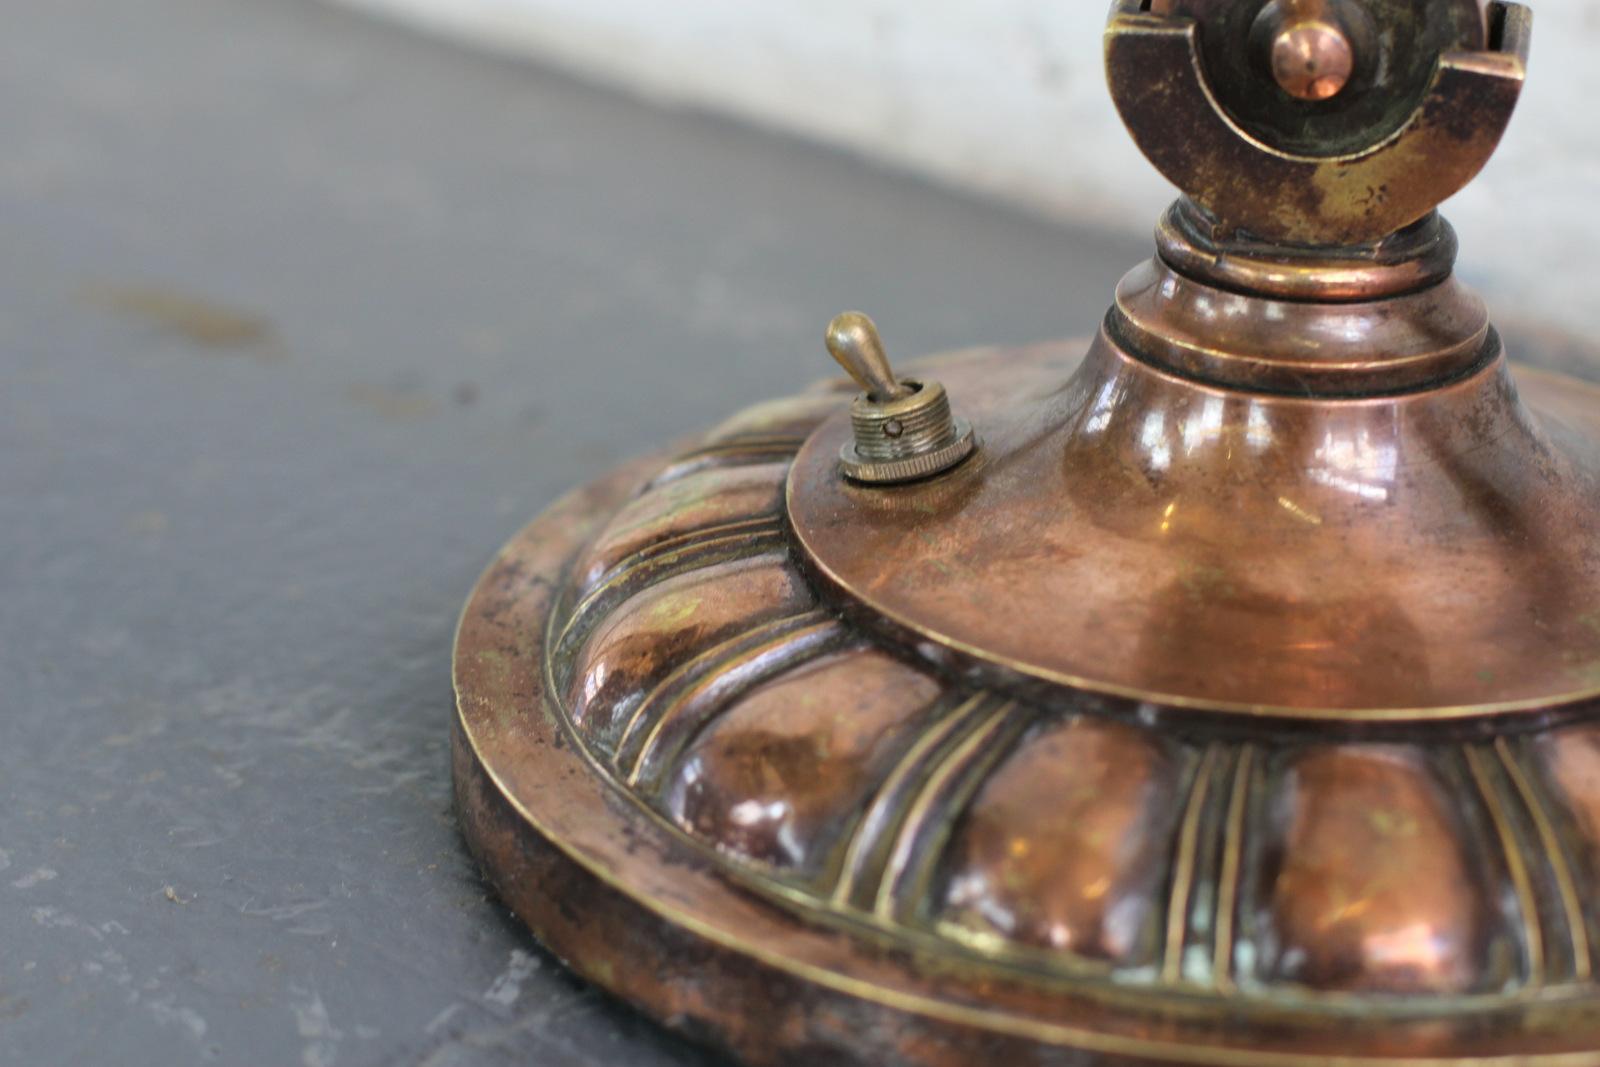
1007	97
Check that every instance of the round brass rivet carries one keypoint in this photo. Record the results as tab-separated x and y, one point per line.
1312	59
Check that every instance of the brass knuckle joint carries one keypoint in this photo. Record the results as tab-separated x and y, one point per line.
1280	122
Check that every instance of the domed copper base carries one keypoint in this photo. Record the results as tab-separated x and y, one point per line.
1414	557
787	773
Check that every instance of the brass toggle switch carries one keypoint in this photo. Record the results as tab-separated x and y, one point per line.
904	430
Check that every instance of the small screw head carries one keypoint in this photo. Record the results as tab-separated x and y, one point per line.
893	428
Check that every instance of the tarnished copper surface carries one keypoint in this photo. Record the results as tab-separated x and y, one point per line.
1369	884
1571	761
1392	49
1066	846
774	778
737	498
1230	706
930	873
1422	556
1329	349
1422	255
1287	176
626	657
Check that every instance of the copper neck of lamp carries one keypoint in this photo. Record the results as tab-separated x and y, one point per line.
1293	477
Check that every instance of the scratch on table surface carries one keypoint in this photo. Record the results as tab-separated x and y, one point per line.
291	913
107	964
281	912
440	1020
508	986
385	750
316	1029
34	877
166	1010
526	1031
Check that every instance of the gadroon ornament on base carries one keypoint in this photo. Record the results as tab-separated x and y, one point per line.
1219	690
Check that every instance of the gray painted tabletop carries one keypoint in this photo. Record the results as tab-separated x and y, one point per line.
301	317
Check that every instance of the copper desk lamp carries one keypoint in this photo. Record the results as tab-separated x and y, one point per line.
1221	690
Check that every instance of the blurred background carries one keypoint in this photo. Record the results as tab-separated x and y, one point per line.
1007	98
305	310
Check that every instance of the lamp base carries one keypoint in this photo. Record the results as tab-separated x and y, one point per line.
748	746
